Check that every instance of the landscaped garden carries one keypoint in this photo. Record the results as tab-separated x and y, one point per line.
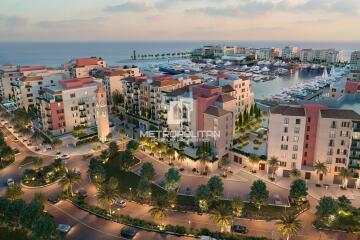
7	155
40	176
337	214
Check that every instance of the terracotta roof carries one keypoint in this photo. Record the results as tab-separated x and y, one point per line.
100	90
31	68
76	82
288	110
225	98
165	83
86	61
178	91
227	89
340	114
117	72
216	111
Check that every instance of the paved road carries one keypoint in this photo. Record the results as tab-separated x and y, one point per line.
88	226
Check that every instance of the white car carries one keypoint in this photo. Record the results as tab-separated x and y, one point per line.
10	182
64	157
63	228
120	204
277	200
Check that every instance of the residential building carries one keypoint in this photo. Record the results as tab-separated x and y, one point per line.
355	57
8	75
82	67
300	136
321	55
265	54
289	53
307	55
71	104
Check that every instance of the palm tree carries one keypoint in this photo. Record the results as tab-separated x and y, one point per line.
108	194
37	162
14	192
274	163
203	155
69	180
170	152
253	159
320	168
345	174
289	225
159	212
295	173
181	157
222	217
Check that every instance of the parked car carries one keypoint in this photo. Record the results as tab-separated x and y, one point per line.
16	140
82	193
64	228
58	153
54	199
37	149
239	229
128	232
120	204
10	182
48	148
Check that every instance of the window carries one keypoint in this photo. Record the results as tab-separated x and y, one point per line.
282	164
332	134
331	143
284	147
286	120
296	130
330	152
307	137
72	95
285	129
285	138
295	147
296	138
333	124
309	119
308	128
294	156
329	160
298	121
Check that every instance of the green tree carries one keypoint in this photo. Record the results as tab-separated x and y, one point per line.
45	228
237	206
147	171
70	178
327	211
298	191
13	211
113	148
259	195
31	213
321	169
222	217
345	174
108	194
37	162
172	179
240	120
289	226
13	192
132	146
202	196
295	173
216	188
159	212
127	161
203	156
274	163
117	97
344	203
144	189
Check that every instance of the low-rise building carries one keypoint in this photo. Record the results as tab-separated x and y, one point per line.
300	136
82	67
8	75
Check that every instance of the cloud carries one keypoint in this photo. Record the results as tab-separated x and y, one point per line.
13	21
128	7
69	23
245	7
326	6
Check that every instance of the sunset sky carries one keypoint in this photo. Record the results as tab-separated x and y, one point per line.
142	20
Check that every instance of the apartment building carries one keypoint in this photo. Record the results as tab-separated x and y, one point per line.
26	89
82	67
289	52
299	136
355	58
240	89
113	79
70	104
321	55
8	74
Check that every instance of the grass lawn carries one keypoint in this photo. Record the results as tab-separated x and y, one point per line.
127	180
6	233
27	160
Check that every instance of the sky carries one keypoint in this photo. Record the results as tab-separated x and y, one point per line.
148	20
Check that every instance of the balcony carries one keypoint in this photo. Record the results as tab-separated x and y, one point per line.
81	103
49	121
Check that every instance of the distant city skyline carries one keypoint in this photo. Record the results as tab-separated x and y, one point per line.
151	20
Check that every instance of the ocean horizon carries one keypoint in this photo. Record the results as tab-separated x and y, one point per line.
117	52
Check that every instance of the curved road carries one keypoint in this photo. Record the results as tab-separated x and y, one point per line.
87	226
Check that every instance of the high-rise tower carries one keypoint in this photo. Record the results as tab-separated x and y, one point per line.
102	116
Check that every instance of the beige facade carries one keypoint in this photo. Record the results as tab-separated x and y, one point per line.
9	74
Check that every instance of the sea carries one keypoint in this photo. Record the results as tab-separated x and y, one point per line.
54	54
